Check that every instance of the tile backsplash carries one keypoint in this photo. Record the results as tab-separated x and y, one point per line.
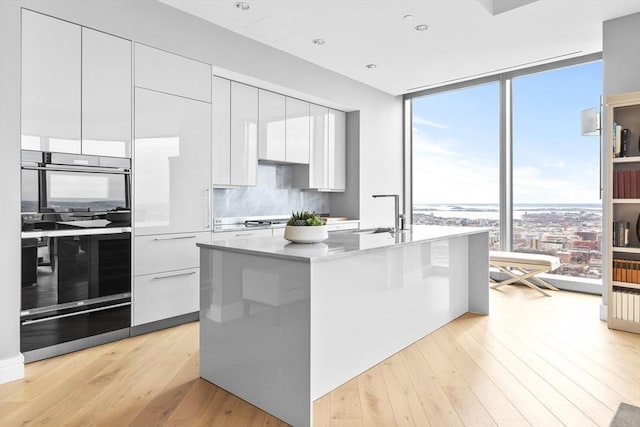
273	195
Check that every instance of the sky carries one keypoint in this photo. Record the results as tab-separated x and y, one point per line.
456	137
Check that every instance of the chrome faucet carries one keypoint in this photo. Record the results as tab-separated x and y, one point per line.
399	218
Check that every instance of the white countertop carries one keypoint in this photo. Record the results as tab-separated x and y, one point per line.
340	244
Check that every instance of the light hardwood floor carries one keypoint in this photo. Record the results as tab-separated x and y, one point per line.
534	361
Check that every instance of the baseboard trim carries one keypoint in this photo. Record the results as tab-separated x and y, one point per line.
145	328
12	369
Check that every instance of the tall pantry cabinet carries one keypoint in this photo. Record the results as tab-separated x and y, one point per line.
172	181
622	211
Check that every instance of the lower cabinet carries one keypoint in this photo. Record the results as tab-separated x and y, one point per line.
164	295
241	234
166	268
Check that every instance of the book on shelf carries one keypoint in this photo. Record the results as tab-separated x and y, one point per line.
626	304
621	141
626	184
621	233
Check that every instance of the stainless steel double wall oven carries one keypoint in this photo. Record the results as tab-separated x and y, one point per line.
76	252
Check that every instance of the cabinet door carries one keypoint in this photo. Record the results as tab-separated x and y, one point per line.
319	156
161	296
172	160
170	73
240	234
337	150
51	55
167	252
106	94
271	126
221	110
244	134
297	131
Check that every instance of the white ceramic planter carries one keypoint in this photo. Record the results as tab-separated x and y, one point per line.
306	233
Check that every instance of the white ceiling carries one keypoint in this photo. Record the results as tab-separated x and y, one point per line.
465	39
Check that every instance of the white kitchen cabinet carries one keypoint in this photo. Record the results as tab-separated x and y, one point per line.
170	73
106	94
168	252
235	133
221	144
327	166
337	153
297	131
241	234
244	134
51	68
319	157
172	164
160	296
271	126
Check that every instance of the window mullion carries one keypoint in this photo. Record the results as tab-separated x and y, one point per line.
506	166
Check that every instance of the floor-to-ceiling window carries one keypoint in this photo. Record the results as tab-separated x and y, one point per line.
556	171
522	128
455	138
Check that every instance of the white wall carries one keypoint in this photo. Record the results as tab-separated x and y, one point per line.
621	55
378	162
11	366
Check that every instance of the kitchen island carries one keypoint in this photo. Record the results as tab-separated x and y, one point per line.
282	324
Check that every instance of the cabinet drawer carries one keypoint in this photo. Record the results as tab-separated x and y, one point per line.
167	252
243	234
163	295
351	225
170	73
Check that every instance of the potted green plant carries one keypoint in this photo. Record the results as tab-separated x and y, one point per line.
306	227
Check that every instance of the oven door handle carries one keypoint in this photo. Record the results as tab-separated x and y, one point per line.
77	313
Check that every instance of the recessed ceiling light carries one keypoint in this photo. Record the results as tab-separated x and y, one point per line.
421	27
242	5
408	17
319	42
371	66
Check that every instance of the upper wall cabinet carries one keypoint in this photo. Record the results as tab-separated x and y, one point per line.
235	133
157	70
271	126
297	131
106	94
326	170
221	146
51	76
319	158
244	134
337	152
76	88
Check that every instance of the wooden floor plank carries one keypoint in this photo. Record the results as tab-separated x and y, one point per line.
345	405
405	402
434	400
374	399
466	403
534	411
502	411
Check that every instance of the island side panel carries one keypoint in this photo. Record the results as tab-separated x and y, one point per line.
254	331
479	273
367	307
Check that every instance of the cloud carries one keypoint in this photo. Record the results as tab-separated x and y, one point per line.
422	121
